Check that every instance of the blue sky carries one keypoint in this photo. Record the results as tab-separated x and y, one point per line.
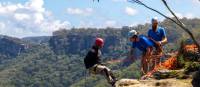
22	18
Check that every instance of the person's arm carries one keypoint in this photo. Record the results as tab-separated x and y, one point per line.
164	39
149	46
149	36
131	56
148	52
131	52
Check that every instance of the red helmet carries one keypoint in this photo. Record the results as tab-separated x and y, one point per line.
99	42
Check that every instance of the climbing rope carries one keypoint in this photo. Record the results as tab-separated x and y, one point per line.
85	78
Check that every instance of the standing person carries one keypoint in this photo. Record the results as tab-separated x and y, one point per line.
157	35
93	62
143	44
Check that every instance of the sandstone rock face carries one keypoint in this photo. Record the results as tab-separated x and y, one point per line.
38	39
78	41
154	83
11	47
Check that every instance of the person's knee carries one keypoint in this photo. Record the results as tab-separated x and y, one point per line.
106	68
106	72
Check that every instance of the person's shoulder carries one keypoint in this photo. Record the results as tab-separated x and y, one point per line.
91	50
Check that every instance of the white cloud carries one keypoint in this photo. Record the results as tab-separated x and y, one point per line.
133	24
38	18
28	19
177	14
7	9
74	11
110	23
130	11
78	11
196	2
54	25
36	5
2	25
187	15
21	16
86	24
190	15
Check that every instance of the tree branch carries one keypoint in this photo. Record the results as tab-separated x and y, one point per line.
182	25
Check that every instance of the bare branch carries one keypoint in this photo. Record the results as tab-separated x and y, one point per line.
182	25
166	5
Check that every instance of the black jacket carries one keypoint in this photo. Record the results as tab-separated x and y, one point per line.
92	57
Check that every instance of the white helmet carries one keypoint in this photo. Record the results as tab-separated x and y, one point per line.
132	33
154	19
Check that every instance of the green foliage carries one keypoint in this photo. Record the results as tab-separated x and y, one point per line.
39	66
191	67
182	76
58	61
164	75
180	61
133	71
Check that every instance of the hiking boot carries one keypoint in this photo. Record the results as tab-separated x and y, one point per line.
113	83
114	80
